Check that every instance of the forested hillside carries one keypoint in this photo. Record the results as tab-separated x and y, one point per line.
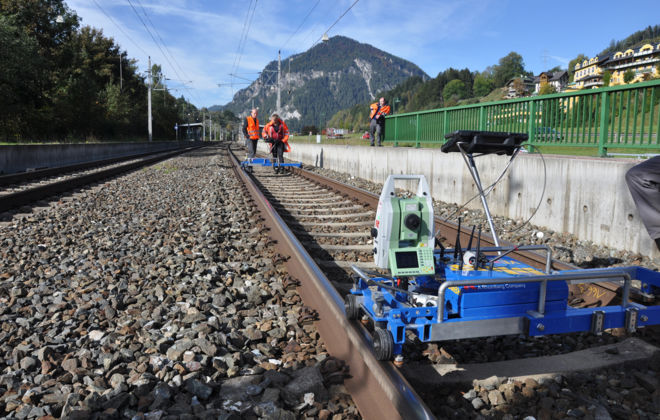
650	34
449	88
60	81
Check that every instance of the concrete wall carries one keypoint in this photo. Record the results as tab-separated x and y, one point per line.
22	157
587	197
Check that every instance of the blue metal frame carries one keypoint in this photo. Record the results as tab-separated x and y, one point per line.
268	162
461	302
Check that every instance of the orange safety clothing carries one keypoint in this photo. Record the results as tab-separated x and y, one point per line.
282	134
377	112
252	128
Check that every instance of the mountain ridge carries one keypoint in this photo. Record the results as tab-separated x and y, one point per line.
319	82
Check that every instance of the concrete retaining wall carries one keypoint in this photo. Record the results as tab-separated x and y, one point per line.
587	197
22	157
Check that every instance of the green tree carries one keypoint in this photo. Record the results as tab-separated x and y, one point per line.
547	88
454	90
571	65
509	66
21	79
482	85
519	86
607	77
628	76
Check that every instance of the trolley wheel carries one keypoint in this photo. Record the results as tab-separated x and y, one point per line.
352	308
383	344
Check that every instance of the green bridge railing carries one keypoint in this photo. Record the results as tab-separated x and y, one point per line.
613	117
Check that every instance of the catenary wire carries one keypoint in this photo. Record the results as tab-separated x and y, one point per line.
336	21
119	27
163	42
301	24
243	39
158	45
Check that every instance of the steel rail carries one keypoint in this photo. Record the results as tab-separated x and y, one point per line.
378	388
21	198
603	293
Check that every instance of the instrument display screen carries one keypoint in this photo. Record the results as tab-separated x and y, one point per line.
406	259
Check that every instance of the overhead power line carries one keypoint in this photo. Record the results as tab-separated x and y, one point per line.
244	35
119	27
161	40
159	47
336	21
301	23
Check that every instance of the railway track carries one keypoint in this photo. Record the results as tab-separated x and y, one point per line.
324	225
21	189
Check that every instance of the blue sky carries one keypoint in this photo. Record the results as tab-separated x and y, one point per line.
202	36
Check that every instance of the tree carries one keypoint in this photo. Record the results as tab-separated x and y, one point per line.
21	78
454	90
628	76
547	88
607	76
482	85
571	65
509	66
519	86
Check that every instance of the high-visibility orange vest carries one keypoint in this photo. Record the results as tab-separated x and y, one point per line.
376	113
282	134
253	127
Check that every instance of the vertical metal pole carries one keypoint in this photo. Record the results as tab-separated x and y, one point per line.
531	126
604	123
121	76
396	131
203	126
279	67
469	160
149	83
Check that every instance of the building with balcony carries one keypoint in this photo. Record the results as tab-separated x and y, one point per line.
642	61
589	73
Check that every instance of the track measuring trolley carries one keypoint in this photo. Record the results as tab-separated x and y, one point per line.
476	291
248	164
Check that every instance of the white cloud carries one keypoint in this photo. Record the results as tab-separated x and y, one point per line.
203	36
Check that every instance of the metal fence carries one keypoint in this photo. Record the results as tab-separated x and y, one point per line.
623	117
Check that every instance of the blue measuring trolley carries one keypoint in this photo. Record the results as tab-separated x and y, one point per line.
467	292
249	163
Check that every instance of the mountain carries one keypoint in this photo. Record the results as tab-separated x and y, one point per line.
333	75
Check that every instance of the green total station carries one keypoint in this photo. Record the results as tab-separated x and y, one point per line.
403	229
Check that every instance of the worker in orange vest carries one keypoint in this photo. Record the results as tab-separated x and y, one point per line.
251	132
277	134
377	116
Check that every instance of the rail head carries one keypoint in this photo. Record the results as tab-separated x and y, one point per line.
379	390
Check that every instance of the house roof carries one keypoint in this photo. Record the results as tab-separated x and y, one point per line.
552	76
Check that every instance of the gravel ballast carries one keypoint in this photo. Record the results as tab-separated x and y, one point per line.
157	295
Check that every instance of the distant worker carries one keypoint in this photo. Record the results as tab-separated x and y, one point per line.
251	132
644	183
277	134
377	116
